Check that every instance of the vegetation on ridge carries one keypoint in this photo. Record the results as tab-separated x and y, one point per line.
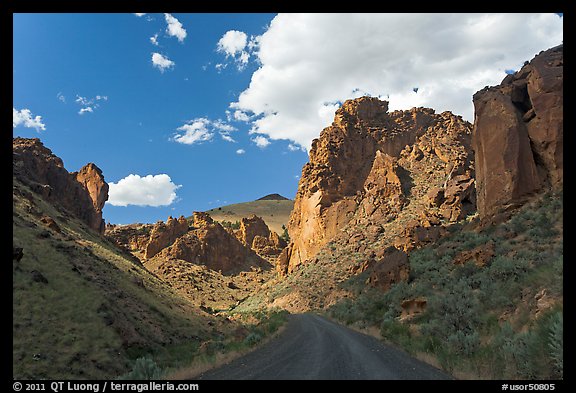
503	320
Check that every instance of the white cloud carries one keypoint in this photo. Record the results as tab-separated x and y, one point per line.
25	118
227	137
241	116
175	28
261	141
89	104
139	15
161	62
203	129
240	151
294	147
150	190
154	39
310	62
61	97
232	42
235	44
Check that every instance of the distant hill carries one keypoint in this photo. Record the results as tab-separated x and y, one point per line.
274	209
273	197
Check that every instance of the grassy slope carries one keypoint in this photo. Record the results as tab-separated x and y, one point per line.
274	213
480	322
98	311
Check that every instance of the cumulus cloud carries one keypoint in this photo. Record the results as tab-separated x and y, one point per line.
25	118
235	44
312	62
203	129
150	190
240	151
175	28
139	15
61	97
161	62
84	110
232	42
261	141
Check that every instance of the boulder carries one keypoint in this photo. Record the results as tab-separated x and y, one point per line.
392	268
412	308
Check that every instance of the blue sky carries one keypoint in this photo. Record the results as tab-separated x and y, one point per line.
185	112
90	55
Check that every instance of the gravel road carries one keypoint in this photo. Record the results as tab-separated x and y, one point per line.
312	347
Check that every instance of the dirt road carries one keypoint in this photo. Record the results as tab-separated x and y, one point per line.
312	347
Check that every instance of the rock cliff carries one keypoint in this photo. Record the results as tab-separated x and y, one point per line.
371	165
81	193
518	134
255	234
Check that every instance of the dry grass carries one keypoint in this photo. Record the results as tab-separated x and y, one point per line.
274	213
97	310
202	364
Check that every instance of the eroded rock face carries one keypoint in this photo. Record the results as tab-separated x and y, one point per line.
164	234
131	237
91	178
518	134
362	171
254	233
82	193
209	244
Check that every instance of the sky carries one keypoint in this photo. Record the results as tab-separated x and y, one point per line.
187	112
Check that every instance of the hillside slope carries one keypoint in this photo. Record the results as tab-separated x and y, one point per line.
274	212
83	308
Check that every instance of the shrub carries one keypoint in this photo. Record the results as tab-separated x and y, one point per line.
144	369
252	339
556	341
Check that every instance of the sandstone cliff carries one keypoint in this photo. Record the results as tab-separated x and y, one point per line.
369	166
82	193
518	135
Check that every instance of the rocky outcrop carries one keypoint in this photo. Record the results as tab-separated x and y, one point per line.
416	235
164	234
131	237
82	193
208	243
518	135
392	268
362	171
254	233
412	308
481	255
91	178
